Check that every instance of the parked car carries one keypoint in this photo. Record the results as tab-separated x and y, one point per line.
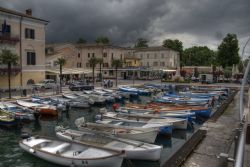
80	86
46	84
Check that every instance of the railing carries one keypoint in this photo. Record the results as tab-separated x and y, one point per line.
7	38
14	70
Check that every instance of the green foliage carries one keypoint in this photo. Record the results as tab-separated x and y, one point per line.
116	63
141	43
7	57
81	41
175	45
228	51
93	62
241	67
102	40
228	72
61	61
198	56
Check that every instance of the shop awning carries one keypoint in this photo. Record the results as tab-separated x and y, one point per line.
69	71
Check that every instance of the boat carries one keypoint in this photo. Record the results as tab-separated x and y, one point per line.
164	127
20	113
135	90
178	123
95	99
141	134
43	109
71	154
133	149
7	118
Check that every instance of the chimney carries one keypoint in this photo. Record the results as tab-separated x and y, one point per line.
29	12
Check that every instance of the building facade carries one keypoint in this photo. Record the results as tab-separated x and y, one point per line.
23	35
141	63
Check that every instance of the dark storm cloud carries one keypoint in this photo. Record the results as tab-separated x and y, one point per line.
195	22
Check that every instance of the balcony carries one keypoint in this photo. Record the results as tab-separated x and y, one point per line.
8	39
14	70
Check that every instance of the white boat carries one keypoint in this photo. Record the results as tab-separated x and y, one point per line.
20	113
69	96
164	127
178	123
43	109
133	149
71	154
141	134
94	98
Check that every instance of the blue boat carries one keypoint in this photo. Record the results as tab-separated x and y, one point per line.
135	90
7	119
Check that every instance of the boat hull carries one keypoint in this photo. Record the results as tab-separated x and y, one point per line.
113	161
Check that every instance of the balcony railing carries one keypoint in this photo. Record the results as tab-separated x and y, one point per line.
8	38
14	70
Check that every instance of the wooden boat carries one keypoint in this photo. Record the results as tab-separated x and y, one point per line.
42	108
141	134
165	127
178	123
7	119
163	107
71	154
20	113
133	149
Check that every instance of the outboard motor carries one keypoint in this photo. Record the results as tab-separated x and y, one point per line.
25	135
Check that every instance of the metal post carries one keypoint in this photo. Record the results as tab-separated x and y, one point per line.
133	77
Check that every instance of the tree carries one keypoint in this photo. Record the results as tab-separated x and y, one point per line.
81	41
61	62
100	61
93	62
8	58
198	56
102	40
241	66
116	63
175	45
228	51
141	43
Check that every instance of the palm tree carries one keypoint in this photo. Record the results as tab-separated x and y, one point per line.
8	58
116	63
100	61
61	62
93	62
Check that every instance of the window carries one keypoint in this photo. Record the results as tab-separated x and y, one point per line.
29	33
88	55
105	64
148	55
121	57
111	72
105	54
6	29
112	56
148	64
162	55
141	56
79	65
155	63
162	64
31	58
155	55
79	55
93	54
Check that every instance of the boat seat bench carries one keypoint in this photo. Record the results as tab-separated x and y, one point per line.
58	149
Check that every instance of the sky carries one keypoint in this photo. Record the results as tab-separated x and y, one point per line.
194	22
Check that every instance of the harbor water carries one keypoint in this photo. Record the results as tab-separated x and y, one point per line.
12	156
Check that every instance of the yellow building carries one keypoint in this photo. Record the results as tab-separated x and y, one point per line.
23	35
132	61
